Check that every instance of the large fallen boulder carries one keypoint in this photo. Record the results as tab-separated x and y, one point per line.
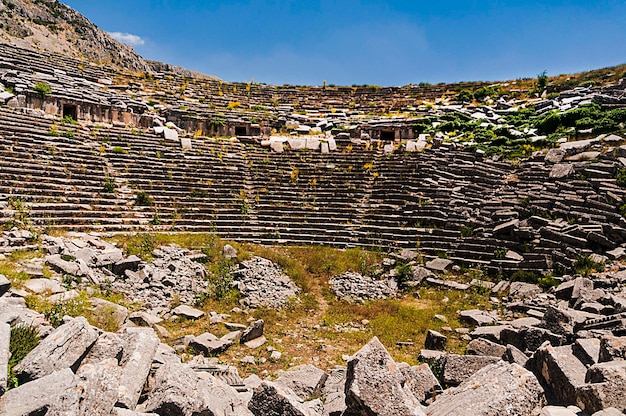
375	386
560	371
458	368
271	400
63	348
606	388
498	389
39	396
179	391
140	346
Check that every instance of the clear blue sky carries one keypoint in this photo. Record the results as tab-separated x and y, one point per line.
369	42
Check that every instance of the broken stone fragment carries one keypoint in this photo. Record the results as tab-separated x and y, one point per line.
63	348
112	313
142	318
333	392
5	334
421	381
5	284
107	346
63	266
97	386
478	317
435	341
482	346
209	345
253	331
129	263
188	312
607	384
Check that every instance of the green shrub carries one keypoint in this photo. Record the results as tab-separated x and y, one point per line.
465	95
43	89
584	265
23	339
69	120
404	275
621	178
143	199
109	186
467	231
119	150
542	81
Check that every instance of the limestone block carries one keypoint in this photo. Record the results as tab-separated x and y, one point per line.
40	286
435	341
38	396
271	399
497	389
170	394
63	266
208	344
111	312
514	356
606	389
333	392
560	370
97	385
107	346
305	381
5	284
140	348
188	312
482	346
458	368
421	381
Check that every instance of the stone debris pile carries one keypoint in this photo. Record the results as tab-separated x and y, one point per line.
263	284
174	273
355	287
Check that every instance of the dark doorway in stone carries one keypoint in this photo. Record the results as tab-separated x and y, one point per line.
387	135
70	111
241	131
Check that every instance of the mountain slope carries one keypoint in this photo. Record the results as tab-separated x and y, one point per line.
48	25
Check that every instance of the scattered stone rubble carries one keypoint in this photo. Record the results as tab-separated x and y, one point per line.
566	353
175	272
355	287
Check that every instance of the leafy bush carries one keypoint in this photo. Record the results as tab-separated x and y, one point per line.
584	265
143	199
119	150
467	231
542	81
23	339
404	275
43	89
465	95
109	186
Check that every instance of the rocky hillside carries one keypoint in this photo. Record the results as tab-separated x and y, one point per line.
48	25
